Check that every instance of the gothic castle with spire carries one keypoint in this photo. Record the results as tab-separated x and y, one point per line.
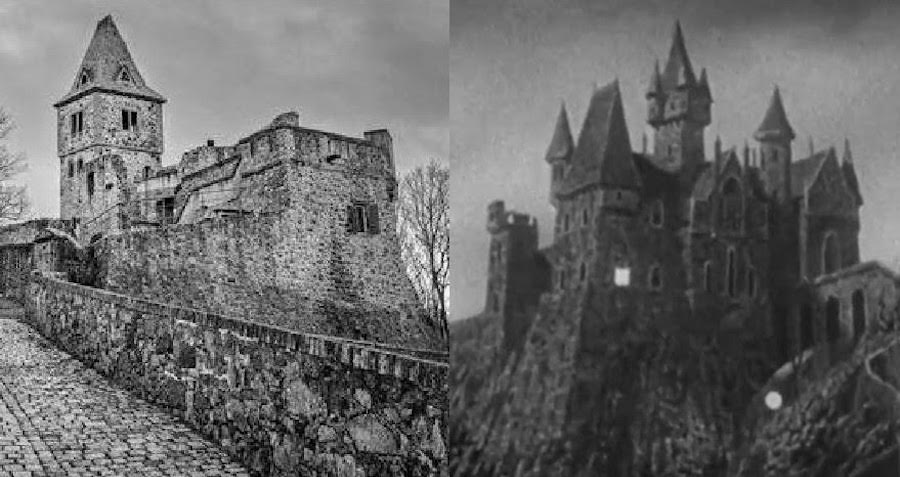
674	232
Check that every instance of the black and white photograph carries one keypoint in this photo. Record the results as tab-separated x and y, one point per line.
675	238
224	238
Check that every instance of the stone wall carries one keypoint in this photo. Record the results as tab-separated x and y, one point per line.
15	269
284	403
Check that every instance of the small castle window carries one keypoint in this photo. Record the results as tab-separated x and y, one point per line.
583	272
707	277
362	217
90	184
731	273
622	276
76	121
566	223
584	217
124	75
655	277
146	172
129	120
85	78
71	168
80	165
656	214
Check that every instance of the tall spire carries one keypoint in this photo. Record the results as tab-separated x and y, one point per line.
561	145
678	69
775	124
107	65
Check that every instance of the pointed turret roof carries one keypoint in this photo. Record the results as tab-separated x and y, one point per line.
108	66
655	86
775	124
850	172
678	69
561	145
603	153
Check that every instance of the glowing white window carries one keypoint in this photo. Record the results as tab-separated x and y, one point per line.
622	277
773	400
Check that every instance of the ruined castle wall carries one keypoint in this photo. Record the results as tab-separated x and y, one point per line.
283	403
15	268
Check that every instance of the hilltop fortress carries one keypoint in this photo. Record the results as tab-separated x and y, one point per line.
681	289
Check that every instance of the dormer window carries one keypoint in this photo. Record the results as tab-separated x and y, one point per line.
85	77
124	75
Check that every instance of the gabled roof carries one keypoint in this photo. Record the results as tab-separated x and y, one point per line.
603	153
775	124
805	171
561	145
108	66
678	69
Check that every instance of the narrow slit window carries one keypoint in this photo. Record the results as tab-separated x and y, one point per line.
129	120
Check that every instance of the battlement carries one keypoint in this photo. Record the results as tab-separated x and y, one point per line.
500	220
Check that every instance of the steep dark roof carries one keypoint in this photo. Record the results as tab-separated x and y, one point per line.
850	172
805	171
678	69
655	86
104	61
775	124
561	145
603	153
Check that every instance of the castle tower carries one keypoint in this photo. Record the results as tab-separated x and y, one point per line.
516	274
775	135
559	152
678	109
109	130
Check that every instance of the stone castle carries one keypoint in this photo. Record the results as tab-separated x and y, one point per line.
672	230
697	313
254	290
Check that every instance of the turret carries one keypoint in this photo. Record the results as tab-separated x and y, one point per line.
559	153
775	135
678	108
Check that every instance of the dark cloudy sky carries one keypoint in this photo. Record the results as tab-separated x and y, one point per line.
227	67
512	62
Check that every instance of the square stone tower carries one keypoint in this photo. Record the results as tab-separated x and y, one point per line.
109	132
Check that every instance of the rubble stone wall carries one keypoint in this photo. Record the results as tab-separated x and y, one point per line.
284	403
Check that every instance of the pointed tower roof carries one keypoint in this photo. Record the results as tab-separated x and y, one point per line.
603	153
108	66
678	69
561	145
850	172
655	86
703	83
775	124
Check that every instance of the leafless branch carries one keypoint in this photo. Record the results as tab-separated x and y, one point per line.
13	198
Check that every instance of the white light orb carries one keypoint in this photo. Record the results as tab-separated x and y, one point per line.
774	400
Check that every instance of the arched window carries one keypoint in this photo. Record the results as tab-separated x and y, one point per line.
656	214
833	319
655	280
731	273
731	212
831	254
859	314
708	277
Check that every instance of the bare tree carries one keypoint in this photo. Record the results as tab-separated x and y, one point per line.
13	200
424	228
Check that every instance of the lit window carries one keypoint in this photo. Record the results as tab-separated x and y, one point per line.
622	277
773	400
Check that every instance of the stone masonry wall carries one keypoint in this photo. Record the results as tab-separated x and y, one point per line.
284	403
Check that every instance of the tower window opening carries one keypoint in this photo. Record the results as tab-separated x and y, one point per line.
584	217
655	277
129	120
90	184
80	165
71	168
146	172
583	273
77	122
566	223
731	278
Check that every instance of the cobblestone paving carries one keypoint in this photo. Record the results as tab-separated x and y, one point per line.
59	418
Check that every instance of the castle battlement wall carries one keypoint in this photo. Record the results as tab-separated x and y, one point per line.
259	391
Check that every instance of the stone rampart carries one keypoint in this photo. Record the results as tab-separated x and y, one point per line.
284	403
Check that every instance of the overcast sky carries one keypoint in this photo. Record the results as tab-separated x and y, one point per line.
227	67
511	63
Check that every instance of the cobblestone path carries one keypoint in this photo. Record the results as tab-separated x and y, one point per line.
59	418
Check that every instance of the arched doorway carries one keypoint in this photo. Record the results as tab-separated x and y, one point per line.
859	314
833	319
831	254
